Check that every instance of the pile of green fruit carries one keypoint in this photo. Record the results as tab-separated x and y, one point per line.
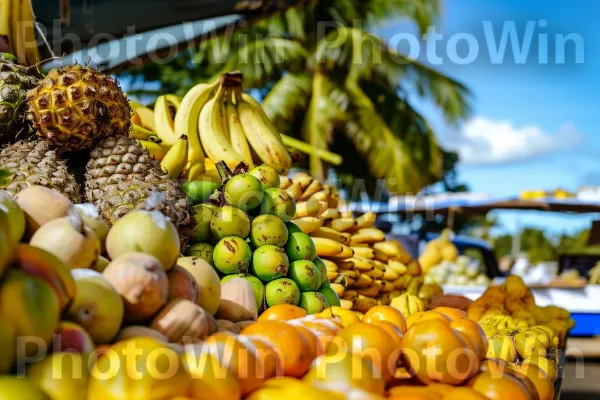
244	230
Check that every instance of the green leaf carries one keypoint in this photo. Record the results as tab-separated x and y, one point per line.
287	98
321	118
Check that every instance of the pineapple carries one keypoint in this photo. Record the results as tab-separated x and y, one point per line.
75	106
15	81
35	163
120	176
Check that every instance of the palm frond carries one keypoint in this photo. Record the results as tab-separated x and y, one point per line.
423	12
265	60
320	120
287	99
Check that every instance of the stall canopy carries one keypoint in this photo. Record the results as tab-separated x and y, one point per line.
71	26
472	203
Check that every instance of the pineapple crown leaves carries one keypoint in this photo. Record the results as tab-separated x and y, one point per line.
218	196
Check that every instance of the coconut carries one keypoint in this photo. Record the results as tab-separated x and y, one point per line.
69	239
40	205
15	217
92	218
148	231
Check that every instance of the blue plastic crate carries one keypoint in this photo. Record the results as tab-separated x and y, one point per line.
585	325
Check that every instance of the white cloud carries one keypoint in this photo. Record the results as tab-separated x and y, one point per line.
483	141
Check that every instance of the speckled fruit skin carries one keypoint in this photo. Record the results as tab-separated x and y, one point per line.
330	295
279	203
232	255
282	291
229	221
203	214
313	302
323	270
300	247
270	263
244	191
268	176
201	250
306	275
268	230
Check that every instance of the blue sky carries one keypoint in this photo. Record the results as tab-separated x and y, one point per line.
534	126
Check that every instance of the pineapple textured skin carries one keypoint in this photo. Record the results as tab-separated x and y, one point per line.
15	81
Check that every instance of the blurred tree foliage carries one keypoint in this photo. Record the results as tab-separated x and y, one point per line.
325	78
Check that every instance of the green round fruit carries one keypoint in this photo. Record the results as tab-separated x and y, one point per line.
292	227
313	302
257	286
330	295
201	250
203	214
300	247
199	191
232	255
282	291
322	269
270	262
279	203
229	221
244	191
268	229
268	176
306	275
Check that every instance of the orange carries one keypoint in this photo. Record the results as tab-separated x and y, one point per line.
289	341
434	352
423	316
346	369
238	358
392	330
385	313
270	359
464	393
474	332
498	388
210	380
452	313
315	348
282	312
325	329
346	317
370	341
542	382
413	393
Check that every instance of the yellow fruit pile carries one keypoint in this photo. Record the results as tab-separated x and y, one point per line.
438	250
519	331
363	267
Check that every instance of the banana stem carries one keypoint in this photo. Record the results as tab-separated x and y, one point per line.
223	170
331	158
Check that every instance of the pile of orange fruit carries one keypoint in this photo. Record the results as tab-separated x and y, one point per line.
287	354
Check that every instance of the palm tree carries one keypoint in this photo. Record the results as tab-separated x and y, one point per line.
354	97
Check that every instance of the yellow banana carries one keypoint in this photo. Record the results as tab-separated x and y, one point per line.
156	150
314	187
347	214
176	158
350	295
303	179
329	233
322	195
32	55
375	274
368	235
143	116
294	190
358	263
363	281
327	247
379	265
390	275
397	267
141	133
236	133
365	252
285	182
174	100
17	38
213	135
307	209
342	224
308	224
346	252
163	121
262	135
366	220
346	304
338	289
5	18
330	213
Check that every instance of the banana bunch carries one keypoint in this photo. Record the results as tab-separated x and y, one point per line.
213	122
16	24
365	269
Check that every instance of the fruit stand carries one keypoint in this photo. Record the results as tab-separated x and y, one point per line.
167	252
